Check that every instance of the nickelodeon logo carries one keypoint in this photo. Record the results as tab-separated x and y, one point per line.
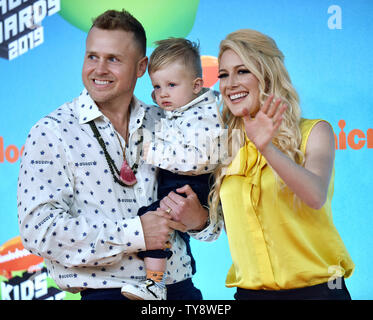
9	153
356	139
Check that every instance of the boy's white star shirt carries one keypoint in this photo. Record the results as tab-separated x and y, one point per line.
188	138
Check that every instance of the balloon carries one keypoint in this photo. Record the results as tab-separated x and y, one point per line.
209	70
161	18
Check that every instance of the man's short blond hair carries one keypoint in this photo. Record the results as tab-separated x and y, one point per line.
176	49
122	20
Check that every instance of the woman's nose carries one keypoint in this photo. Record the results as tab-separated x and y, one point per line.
232	81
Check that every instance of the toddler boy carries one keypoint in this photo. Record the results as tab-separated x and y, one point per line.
186	148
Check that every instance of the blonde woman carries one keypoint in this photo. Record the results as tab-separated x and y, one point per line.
276	192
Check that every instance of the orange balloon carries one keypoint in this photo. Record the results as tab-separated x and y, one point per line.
209	70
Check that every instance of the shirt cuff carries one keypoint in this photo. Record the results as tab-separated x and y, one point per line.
136	239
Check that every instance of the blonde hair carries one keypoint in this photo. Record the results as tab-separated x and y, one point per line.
122	20
176	49
259	53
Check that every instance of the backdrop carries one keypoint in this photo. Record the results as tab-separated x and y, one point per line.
328	48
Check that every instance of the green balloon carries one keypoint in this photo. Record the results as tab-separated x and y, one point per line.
161	18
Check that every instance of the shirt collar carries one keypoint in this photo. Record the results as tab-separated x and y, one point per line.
137	114
88	109
206	97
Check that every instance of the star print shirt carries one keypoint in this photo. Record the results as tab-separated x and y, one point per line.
187	140
73	214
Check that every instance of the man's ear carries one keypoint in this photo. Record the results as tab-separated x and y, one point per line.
141	66
197	85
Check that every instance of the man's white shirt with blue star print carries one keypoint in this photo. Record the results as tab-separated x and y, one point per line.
72	213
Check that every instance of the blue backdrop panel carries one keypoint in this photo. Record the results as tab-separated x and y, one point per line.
327	45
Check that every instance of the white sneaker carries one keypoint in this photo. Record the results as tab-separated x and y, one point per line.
145	290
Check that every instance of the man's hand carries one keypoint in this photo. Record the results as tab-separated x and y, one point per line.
187	210
157	227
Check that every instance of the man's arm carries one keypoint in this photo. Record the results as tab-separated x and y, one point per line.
50	225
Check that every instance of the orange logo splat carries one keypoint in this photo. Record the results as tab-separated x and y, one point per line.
14	257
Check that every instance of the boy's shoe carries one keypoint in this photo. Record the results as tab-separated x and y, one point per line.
145	290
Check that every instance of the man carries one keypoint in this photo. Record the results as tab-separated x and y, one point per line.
76	202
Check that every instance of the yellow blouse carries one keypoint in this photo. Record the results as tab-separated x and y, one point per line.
277	242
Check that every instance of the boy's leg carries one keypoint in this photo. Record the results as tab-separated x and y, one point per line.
156	271
155	264
154	287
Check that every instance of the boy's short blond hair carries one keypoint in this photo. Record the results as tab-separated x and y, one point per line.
176	49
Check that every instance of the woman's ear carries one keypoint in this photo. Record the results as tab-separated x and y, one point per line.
197	85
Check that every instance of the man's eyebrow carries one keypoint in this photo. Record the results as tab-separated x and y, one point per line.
88	52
